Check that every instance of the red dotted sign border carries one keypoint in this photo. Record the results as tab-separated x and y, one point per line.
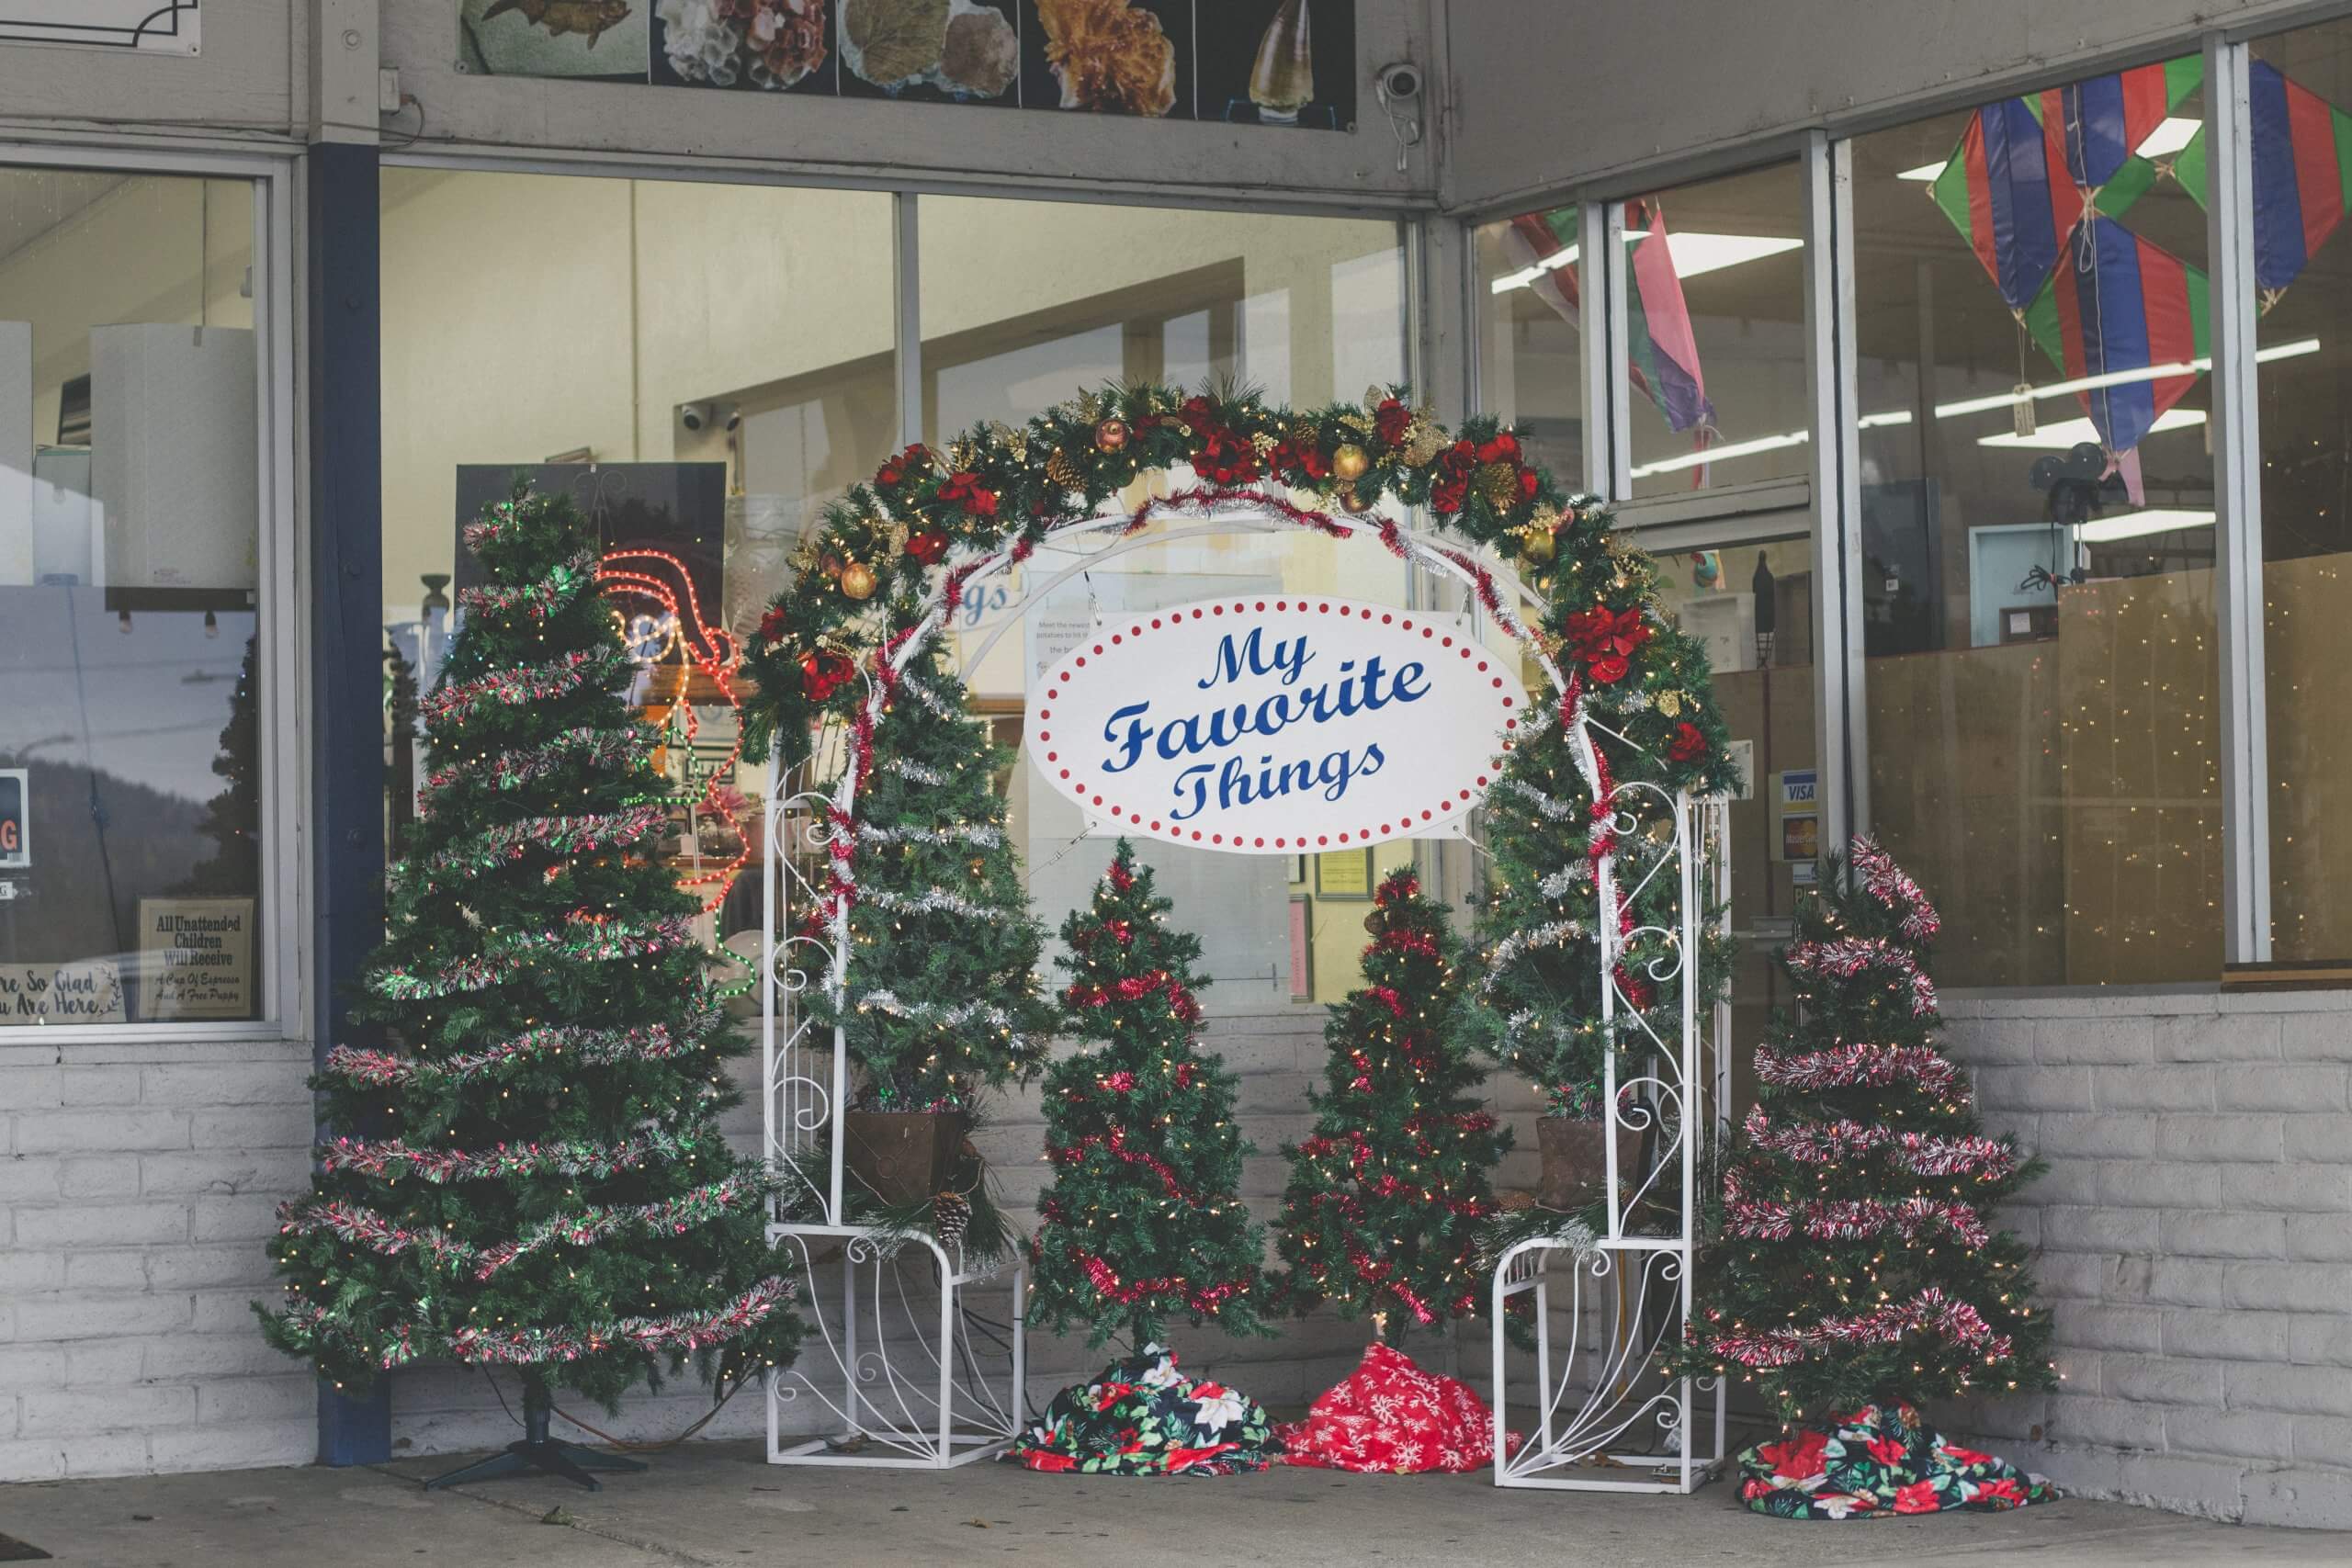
1450	804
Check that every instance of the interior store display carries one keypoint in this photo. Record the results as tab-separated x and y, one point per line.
531	1175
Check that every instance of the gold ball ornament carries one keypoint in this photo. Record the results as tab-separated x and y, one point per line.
1353	501
858	581
1538	545
1111	436
1350	462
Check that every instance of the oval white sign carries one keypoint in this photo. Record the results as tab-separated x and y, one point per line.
1265	725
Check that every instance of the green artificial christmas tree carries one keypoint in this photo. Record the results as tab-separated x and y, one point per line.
1854	1260
1144	1219
1385	1201
533	1175
944	999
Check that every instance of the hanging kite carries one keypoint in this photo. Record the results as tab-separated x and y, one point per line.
2303	176
2120	305
1546	241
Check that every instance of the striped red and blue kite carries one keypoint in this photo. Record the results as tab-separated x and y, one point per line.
2120	305
2005	189
2104	119
2303	174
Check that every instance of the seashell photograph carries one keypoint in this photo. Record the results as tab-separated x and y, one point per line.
762	45
1280	62
554	38
1124	57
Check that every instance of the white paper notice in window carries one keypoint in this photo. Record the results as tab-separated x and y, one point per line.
154	27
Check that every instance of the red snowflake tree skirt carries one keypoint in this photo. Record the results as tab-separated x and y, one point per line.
1388	1415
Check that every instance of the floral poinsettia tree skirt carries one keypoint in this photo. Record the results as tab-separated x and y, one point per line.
1141	1416
1389	1416
1881	1460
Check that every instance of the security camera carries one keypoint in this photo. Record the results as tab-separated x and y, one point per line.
734	418
1400	84
694	416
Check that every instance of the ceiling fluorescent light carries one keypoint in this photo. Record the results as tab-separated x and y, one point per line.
1694	255
1926	173
1761	444
2063	436
2120	377
2139	524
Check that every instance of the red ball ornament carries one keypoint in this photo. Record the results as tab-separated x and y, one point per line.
1111	436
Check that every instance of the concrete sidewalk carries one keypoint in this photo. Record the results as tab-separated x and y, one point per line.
718	1503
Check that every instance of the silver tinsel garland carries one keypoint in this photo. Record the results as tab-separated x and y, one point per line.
979	835
937	899
915	772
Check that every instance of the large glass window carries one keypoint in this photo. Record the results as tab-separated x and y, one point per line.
2036	530
1024	305
133	766
1714	330
2302	162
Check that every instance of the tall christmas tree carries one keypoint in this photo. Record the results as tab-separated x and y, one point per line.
1386	1199
535	1177
1855	1263
943	997
1142	1221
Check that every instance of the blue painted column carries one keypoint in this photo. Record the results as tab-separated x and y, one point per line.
345	657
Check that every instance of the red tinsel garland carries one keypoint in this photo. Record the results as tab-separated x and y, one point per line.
1928	1312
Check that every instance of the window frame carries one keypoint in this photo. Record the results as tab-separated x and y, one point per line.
283	608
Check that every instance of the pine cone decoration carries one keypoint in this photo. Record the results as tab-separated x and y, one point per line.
951	1218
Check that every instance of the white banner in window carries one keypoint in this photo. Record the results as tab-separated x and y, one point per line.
154	27
1269	724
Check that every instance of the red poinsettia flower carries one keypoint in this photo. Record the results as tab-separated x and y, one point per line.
1600	630
1197	414
965	490
822	674
1887	1450
2002	1489
1609	670
926	545
1448	495
1292	459
1037	1458
1226	458
1689	742
894	471
1753	1488
1531	484
1391	419
1920	1497
773	625
1500	447
1966	1456
1798	1459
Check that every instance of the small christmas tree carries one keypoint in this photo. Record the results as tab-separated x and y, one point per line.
1385	1201
944	997
1854	1261
1142	1221
536	1178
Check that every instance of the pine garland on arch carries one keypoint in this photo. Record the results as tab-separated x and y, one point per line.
1853	1258
1384	1202
881	557
532	1173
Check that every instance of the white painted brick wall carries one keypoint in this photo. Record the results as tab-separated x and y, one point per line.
2195	1236
137	1189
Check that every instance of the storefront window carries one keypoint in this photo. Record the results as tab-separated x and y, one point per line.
132	770
2303	158
1530	310
1026	304
2036	530
1715	329
700	366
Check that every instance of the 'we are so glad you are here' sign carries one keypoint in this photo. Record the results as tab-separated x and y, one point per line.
1268	725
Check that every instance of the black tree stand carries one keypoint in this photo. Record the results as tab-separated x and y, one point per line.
536	1450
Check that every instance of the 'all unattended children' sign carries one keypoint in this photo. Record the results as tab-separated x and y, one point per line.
1269	725
197	957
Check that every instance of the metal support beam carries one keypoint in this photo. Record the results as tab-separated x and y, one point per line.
2237	508
1608	422
1841	727
347	550
906	264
